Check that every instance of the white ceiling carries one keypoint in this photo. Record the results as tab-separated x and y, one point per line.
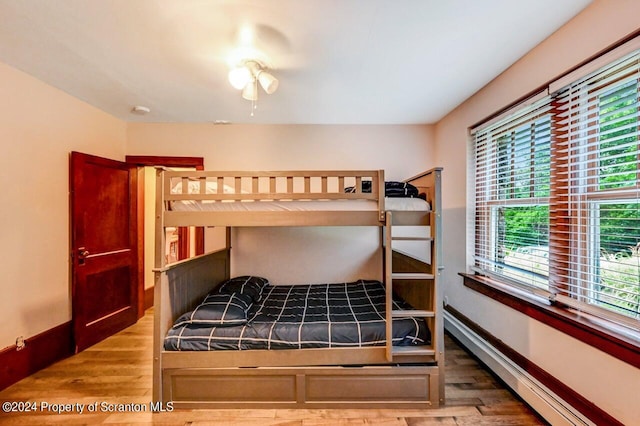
338	61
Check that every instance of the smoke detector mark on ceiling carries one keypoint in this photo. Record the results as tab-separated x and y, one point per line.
140	110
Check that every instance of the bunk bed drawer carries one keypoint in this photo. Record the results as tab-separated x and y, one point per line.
230	385
367	384
415	386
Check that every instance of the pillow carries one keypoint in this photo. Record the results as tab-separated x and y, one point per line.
193	187
219	310
247	285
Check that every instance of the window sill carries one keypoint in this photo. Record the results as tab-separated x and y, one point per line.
580	326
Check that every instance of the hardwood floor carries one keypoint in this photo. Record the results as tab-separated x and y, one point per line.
118	371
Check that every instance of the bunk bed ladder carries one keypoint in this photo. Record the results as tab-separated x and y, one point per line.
388	281
395	352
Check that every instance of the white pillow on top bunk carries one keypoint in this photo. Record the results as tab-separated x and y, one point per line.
193	187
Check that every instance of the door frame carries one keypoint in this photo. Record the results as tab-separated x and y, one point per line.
145	299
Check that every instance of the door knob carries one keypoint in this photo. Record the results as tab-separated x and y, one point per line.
82	255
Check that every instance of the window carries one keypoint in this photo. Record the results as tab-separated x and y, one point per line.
598	123
512	197
557	193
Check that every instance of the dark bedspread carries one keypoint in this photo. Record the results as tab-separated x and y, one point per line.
307	316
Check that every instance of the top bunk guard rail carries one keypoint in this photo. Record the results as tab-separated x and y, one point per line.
293	185
244	186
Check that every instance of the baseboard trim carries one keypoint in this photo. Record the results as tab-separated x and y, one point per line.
549	404
39	352
148	298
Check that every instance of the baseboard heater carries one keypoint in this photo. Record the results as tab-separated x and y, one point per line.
545	402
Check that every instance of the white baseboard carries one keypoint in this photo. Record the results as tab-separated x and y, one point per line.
546	403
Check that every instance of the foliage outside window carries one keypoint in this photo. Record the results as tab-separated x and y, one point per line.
557	194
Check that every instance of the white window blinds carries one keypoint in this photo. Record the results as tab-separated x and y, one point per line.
596	196
557	194
512	162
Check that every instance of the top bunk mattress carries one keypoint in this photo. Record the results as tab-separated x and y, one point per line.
391	203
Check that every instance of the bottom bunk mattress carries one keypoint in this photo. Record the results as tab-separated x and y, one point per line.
294	317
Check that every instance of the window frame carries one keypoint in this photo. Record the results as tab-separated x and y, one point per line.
582	202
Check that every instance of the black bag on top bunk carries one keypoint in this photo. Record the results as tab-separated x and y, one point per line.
391	189
400	189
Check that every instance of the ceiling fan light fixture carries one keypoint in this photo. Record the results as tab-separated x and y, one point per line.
250	71
246	78
268	82
239	77
250	91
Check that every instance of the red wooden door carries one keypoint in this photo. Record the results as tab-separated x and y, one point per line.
103	247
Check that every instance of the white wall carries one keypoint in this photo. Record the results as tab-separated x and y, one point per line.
39	127
307	255
610	384
402	151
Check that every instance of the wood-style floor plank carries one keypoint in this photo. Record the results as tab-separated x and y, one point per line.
119	371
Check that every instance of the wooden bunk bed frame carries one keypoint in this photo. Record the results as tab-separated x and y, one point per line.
381	376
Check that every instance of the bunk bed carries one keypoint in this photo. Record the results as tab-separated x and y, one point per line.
275	374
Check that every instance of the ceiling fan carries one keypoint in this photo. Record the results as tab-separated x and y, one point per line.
250	60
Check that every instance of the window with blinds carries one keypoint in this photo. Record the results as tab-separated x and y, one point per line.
512	196
557	194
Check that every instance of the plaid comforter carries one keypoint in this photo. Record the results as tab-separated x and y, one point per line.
307	316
